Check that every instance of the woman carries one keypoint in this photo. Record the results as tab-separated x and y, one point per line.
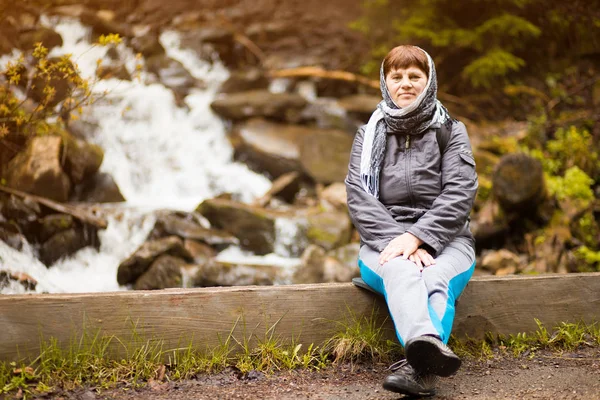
410	198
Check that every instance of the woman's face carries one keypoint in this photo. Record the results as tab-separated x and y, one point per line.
405	85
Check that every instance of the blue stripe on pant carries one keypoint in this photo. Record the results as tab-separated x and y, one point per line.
421	303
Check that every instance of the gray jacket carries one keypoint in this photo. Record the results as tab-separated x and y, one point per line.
420	191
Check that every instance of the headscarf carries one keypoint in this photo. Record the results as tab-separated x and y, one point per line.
426	111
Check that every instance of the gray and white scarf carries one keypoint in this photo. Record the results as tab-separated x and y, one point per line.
424	112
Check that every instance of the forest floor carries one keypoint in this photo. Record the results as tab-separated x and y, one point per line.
545	375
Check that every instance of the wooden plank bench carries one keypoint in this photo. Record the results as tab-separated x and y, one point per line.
307	313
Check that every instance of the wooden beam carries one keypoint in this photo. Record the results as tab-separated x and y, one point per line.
307	313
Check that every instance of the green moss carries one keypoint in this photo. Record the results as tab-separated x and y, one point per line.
575	184
590	257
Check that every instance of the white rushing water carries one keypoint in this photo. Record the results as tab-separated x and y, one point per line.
161	156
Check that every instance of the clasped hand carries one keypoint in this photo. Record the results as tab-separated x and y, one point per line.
407	246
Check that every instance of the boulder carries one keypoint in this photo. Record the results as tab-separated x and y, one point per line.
501	262
268	147
173	74
82	159
147	44
134	266
347	254
49	38
253	226
335	195
259	103
518	183
54	223
312	266
359	106
336	271
233	274
245	80
99	188
201	253
116	71
65	243
37	170
187	226
324	155
164	272
329	229
207	41
11	235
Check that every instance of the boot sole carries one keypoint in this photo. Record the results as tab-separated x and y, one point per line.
392	388
427	358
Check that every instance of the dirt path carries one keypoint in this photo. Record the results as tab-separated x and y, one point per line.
546	376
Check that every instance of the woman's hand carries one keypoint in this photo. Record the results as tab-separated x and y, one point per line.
404	245
422	258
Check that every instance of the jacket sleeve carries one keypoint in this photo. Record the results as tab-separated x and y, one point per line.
449	212
372	219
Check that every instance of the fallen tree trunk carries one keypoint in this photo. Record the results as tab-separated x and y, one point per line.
81	215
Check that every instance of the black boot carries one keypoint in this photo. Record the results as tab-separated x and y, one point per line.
404	379
429	355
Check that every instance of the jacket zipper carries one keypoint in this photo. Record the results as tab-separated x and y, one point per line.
407	163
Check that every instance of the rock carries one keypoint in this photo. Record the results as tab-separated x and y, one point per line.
359	106
25	280
485	161
37	170
11	235
259	103
518	183
489	228
245	80
336	271
116	71
54	223
347	254
48	37
231	274
200	252
99	188
208	40
65	243
173	74
134	266
312	266
549	248
19	209
103	23
503	259
253	226
284	187
335	194
324	155
60	87
82	159
268	147
164	272
148	45
186	226
329	229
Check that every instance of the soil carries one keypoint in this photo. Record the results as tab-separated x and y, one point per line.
570	375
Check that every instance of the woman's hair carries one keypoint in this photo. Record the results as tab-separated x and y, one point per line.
405	56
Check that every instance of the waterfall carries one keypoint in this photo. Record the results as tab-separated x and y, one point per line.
161	156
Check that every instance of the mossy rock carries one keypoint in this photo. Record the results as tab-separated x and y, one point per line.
329	229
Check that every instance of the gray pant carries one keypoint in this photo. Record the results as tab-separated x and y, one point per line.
421	303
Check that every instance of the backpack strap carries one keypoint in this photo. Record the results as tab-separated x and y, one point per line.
443	135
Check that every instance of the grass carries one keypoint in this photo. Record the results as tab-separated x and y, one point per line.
91	360
564	337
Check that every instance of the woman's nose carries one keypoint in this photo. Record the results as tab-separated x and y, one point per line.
405	83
